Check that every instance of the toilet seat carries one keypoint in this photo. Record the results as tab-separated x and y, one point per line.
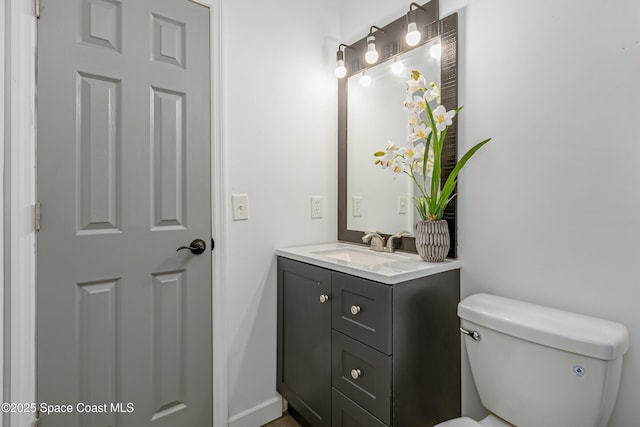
459	422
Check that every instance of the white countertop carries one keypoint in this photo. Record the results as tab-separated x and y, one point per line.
401	266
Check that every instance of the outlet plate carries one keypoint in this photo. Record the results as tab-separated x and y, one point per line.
316	207
240	203
356	206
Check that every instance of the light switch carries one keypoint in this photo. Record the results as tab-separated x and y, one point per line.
240	203
402	204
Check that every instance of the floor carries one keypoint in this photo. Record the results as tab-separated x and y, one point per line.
284	421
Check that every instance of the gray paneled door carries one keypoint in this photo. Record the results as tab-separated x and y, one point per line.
124	180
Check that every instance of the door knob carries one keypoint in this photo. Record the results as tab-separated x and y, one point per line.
196	247
324	298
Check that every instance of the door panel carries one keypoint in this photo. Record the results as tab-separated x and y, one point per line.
304	340
124	180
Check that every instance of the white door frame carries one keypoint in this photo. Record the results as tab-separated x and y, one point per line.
19	199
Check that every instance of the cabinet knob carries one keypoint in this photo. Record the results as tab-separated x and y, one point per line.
324	298
355	373
355	309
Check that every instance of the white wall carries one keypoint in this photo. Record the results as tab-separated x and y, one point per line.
281	148
548	210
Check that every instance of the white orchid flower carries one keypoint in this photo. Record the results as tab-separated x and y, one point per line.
408	103
416	85
413	154
387	157
420	131
432	92
419	104
442	117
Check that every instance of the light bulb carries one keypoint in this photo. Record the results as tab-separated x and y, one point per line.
341	70
372	54
365	79
413	35
397	66
436	51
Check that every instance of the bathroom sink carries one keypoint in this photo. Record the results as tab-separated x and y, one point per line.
361	261
359	256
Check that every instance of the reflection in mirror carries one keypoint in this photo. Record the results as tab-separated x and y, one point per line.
379	200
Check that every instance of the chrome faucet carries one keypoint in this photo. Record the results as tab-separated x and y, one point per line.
390	246
377	241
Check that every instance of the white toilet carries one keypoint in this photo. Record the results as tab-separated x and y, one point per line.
536	366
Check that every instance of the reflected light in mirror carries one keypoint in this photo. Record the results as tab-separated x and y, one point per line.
436	51
397	67
365	79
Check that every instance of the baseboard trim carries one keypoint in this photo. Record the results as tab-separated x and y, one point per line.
260	414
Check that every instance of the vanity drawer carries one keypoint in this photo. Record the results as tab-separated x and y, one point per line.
361	309
345	413
362	374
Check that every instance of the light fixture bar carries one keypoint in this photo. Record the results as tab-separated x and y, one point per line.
341	69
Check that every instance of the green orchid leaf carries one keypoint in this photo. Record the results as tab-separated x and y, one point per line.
450	183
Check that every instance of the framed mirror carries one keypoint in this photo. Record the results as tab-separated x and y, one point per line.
371	199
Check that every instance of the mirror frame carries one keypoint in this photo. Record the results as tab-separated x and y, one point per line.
390	43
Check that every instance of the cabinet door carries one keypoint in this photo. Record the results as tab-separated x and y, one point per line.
304	339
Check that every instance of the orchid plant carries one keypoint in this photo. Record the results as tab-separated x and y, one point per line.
428	124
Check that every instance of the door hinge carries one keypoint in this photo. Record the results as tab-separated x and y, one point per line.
37	216
37	9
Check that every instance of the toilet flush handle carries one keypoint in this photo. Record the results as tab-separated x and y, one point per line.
473	334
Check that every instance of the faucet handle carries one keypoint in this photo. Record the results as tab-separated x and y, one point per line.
398	235
402	233
368	235
377	241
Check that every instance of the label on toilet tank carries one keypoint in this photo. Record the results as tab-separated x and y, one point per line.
579	370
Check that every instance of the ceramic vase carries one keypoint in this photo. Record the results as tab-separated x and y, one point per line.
432	240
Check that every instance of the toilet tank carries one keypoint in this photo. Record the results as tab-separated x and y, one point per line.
536	366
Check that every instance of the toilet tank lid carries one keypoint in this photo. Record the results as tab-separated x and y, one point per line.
576	333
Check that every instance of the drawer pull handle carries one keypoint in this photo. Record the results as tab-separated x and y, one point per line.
324	298
355	309
355	373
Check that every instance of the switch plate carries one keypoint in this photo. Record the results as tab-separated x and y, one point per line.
240	203
356	206
402	204
316	207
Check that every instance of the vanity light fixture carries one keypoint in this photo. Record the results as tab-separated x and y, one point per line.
413	35
341	69
397	66
372	54
365	79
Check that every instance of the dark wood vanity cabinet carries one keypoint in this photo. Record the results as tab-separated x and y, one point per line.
304	340
356	353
